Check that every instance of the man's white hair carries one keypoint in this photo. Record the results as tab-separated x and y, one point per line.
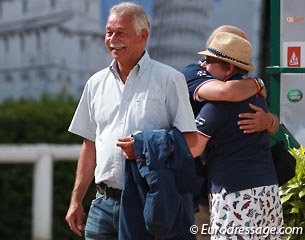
138	13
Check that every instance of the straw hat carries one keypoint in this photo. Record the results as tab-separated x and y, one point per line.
231	48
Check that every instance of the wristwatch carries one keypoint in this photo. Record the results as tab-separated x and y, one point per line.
260	83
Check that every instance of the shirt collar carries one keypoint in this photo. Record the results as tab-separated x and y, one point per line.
139	67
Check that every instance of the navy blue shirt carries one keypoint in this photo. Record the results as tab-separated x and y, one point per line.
236	161
195	75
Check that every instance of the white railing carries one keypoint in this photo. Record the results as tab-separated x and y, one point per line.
42	156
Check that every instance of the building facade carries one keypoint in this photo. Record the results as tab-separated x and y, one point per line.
49	46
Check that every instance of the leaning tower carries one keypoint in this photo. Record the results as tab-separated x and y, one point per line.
179	30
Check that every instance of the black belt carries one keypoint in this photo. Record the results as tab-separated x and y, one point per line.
103	189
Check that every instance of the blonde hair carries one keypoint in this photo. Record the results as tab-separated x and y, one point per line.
138	13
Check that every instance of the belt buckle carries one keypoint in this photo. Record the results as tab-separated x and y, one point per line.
102	189
108	191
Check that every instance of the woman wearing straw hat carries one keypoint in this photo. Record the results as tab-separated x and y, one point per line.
202	86
242	183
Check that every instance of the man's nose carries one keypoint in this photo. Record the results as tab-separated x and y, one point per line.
112	38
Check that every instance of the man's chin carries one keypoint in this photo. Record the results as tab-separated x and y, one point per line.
116	57
116	54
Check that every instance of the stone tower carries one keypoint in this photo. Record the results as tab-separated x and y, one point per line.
179	30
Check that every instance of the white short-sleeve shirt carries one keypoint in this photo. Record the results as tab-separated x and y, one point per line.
154	96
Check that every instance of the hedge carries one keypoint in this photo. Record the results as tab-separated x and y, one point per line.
32	121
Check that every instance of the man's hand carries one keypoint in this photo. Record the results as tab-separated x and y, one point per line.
254	122
75	217
126	144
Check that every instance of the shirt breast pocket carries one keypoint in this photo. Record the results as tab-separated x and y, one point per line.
151	113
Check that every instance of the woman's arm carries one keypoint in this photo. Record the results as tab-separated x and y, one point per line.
196	142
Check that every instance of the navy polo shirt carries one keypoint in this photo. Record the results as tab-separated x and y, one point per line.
236	161
195	74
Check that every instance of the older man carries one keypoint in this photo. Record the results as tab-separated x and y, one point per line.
134	93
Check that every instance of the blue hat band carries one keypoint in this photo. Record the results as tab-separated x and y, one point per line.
219	54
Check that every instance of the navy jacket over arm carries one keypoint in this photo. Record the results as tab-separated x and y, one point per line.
158	186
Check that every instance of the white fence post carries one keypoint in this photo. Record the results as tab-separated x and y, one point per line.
42	156
42	198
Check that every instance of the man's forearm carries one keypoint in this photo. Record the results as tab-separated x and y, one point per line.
85	170
274	125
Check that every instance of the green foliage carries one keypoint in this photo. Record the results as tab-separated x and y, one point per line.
293	196
31	121
16	196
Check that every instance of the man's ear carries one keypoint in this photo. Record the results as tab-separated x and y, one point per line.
144	34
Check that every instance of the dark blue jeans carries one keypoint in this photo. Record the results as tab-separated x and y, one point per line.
103	219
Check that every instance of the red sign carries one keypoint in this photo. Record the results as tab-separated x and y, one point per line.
294	56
